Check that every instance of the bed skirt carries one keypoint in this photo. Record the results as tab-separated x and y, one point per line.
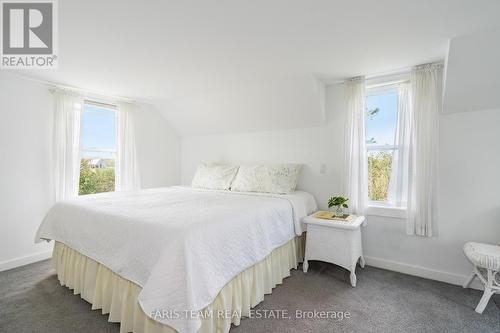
117	296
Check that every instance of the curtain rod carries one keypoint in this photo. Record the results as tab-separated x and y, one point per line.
54	86
400	71
389	83
92	95
388	74
101	104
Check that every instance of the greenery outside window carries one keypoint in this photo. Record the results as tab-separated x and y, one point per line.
98	146
380	132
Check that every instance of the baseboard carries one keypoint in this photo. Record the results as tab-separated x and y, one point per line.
432	274
21	261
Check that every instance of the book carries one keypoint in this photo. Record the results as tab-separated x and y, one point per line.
324	215
331	216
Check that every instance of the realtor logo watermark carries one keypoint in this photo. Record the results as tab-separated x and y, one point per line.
29	34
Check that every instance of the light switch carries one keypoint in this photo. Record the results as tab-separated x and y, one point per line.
322	168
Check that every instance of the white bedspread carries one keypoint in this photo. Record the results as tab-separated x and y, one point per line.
181	245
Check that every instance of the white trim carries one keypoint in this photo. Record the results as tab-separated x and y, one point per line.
381	147
25	260
388	86
427	273
385	85
101	104
111	100
99	150
375	209
400	72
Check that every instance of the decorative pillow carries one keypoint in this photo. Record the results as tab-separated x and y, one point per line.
278	178
214	176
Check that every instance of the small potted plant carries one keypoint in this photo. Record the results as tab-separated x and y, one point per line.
339	203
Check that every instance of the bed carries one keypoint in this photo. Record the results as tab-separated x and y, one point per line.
177	258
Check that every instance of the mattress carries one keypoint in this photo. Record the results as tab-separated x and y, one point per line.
180	245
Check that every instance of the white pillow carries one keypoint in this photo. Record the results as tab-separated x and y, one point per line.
278	178
214	176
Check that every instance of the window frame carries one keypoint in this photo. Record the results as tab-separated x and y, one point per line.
383	208
114	152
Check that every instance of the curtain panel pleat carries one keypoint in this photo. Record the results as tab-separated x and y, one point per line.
67	119
398	185
355	160
426	104
127	177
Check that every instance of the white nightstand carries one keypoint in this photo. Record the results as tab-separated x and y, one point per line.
336	242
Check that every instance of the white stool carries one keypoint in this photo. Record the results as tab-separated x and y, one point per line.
486	261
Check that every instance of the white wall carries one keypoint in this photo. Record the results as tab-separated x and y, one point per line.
158	149
310	146
306	146
25	168
468	202
469	195
26	193
261	103
472	72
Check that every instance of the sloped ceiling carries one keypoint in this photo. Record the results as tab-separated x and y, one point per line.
473	73
238	65
251	105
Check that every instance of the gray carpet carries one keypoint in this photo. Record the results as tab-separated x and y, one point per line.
31	300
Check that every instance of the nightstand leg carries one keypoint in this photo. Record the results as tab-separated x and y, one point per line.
305	266
362	262
353	279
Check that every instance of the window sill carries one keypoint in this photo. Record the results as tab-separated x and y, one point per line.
374	209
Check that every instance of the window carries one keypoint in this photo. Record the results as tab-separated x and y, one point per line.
380	131
97	149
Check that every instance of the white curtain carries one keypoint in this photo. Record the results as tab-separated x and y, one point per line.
398	186
67	118
355	166
426	103
127	177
